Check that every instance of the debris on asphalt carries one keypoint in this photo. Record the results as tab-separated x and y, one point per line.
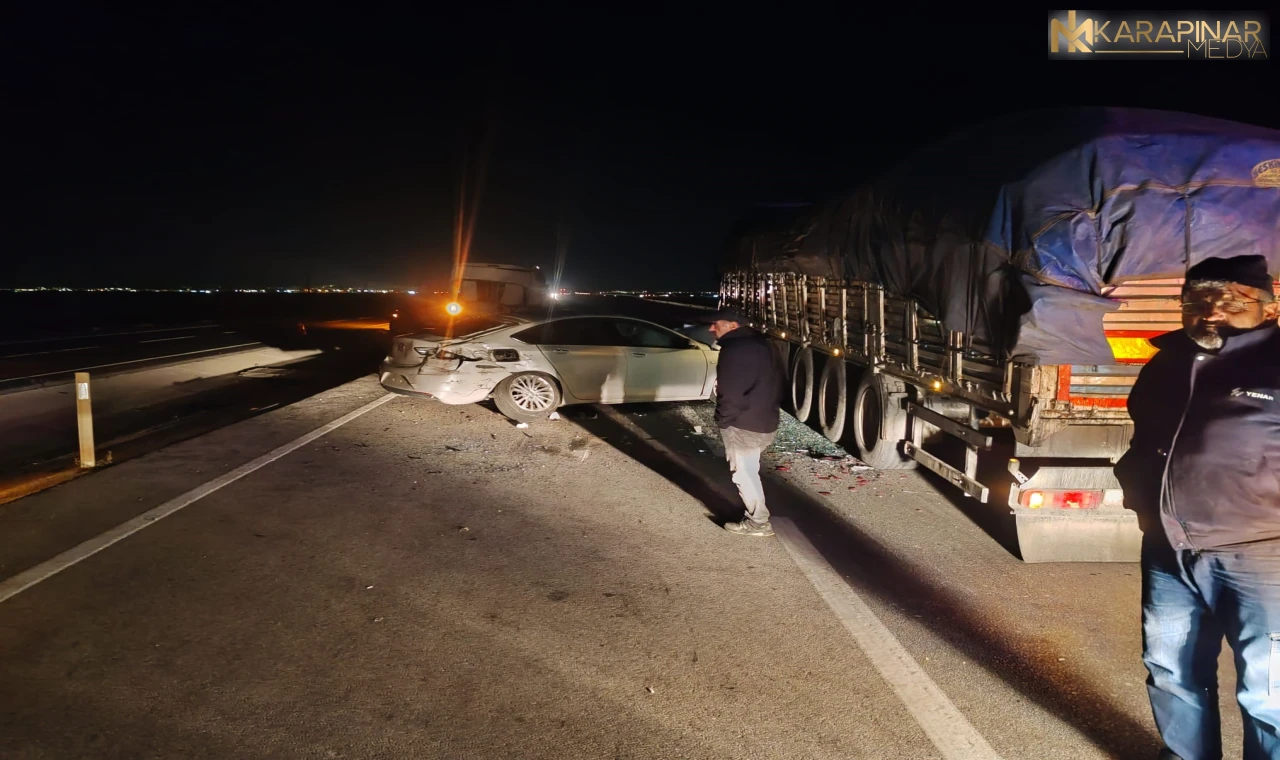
553	416
799	453
650	690
523	425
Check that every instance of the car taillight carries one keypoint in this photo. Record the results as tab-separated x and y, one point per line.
1061	499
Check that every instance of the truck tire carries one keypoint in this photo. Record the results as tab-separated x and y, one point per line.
527	397
880	422
833	405
802	384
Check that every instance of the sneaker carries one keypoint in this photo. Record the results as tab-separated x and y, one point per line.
750	527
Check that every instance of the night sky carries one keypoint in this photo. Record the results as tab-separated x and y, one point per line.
224	147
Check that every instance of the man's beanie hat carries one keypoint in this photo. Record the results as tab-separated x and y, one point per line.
1244	270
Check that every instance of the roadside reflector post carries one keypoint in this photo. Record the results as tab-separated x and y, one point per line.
84	418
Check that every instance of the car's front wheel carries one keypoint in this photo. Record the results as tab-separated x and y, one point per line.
527	397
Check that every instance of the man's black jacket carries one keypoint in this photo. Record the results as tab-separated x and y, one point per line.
748	382
1204	464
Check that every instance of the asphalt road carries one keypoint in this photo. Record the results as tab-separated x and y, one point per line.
360	575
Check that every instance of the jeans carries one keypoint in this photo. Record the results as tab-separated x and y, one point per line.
743	449
1190	602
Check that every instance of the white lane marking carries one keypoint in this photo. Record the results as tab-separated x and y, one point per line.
941	721
46	570
677	303
55	351
944	724
162	340
131	361
106	335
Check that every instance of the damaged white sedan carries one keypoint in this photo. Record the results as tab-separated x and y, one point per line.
531	368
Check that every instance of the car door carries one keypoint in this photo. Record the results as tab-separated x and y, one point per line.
590	364
662	365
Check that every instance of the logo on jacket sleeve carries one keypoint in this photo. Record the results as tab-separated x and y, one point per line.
1252	394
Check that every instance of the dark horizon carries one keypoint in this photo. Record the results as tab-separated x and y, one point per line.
240	149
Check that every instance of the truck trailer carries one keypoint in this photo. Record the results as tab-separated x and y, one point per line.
1005	283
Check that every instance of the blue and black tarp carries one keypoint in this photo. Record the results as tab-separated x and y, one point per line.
1012	232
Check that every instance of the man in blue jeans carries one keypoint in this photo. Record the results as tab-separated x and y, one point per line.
1203	474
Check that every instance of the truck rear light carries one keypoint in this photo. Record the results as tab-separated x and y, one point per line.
1040	499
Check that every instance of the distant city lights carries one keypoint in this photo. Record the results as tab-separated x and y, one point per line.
334	289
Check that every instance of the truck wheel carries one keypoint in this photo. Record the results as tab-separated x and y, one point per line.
802	384
833	399
527	397
880	422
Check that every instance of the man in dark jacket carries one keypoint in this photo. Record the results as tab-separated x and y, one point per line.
1203	474
748	392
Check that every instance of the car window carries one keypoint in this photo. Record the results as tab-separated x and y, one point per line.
633	334
569	332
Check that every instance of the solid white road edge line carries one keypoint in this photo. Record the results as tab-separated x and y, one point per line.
54	351
166	340
942	722
45	570
940	719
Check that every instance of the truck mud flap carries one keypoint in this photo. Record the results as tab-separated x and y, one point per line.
1106	534
1078	536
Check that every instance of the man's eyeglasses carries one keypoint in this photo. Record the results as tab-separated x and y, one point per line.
1208	307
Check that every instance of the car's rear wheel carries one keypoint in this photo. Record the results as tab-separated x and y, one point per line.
527	397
